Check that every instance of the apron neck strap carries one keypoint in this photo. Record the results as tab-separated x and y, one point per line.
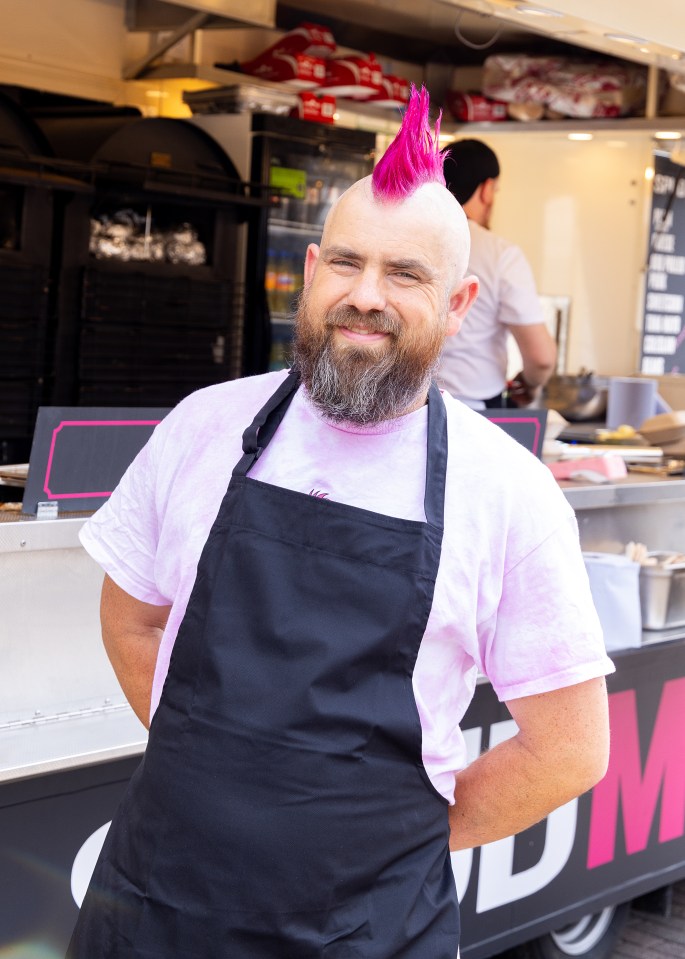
266	422
436	459
260	431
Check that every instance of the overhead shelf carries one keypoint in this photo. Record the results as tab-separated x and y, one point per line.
606	125
362	115
352	114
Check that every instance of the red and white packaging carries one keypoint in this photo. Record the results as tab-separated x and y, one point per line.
573	88
474	108
394	92
309	38
315	107
296	58
317	41
356	77
299	69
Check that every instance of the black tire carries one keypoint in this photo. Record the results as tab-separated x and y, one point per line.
592	937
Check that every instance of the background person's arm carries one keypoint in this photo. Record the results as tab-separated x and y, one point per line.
132	632
539	355
560	751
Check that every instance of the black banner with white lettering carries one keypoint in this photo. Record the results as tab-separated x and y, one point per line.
618	842
663	322
625	838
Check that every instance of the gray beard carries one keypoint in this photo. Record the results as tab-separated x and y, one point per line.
356	385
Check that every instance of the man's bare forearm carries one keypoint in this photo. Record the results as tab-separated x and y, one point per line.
558	754
131	633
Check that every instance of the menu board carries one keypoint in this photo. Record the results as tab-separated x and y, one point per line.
663	324
79	454
525	425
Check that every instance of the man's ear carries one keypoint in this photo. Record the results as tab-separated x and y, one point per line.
487	191
310	261
461	300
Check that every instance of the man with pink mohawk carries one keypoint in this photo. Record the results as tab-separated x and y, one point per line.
305	632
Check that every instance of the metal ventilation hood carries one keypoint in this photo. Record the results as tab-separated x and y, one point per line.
467	30
443	31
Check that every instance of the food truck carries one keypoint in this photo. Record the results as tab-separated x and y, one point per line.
70	742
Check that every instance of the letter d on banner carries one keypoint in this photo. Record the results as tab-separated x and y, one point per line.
84	863
497	882
498	885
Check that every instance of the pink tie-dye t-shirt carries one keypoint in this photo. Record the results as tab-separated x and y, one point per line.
512	599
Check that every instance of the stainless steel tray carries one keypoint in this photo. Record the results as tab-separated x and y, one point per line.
662	593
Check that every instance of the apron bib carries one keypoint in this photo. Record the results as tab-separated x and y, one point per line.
282	809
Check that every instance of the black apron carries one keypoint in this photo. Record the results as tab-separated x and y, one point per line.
282	809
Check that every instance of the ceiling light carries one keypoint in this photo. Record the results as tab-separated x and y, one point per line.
667	135
624	38
537	11
580	136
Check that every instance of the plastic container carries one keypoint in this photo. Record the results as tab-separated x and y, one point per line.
614	585
662	593
631	401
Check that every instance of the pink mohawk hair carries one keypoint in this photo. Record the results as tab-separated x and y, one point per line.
413	158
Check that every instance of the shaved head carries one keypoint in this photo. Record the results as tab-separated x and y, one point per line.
430	208
387	284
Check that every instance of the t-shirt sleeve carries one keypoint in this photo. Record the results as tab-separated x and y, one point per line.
122	535
518	296
546	633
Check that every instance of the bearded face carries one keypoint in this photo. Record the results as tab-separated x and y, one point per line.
362	383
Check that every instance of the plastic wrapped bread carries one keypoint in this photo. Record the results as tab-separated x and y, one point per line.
564	86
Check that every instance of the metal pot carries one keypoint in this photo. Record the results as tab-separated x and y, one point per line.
579	398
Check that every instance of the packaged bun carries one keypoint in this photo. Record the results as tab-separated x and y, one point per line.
525	111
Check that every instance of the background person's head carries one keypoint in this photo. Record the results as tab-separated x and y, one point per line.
471	174
386	284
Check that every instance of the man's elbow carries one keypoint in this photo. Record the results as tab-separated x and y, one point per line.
540	366
595	769
590	763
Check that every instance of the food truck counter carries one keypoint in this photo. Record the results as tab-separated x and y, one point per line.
69	743
61	706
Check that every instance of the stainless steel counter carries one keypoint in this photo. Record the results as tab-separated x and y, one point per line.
636	489
641	507
60	703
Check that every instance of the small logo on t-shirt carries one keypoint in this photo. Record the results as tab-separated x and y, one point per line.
318	493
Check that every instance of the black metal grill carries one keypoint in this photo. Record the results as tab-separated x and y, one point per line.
157	337
23	341
136	328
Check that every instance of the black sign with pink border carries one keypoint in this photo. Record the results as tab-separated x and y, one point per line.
79	454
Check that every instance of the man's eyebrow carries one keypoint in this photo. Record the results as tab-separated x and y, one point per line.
408	264
412	266
332	252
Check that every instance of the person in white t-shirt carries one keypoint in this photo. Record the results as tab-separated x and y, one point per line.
473	366
306	572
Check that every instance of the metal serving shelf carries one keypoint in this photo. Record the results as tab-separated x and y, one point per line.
60	703
636	489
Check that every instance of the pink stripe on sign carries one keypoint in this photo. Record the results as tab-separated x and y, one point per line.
520	419
46	487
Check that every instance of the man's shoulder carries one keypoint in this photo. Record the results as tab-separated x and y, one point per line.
229	396
484	448
215	413
485	240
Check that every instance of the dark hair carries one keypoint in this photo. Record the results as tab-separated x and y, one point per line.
413	157
468	163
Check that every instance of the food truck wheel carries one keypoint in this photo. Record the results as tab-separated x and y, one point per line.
592	937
